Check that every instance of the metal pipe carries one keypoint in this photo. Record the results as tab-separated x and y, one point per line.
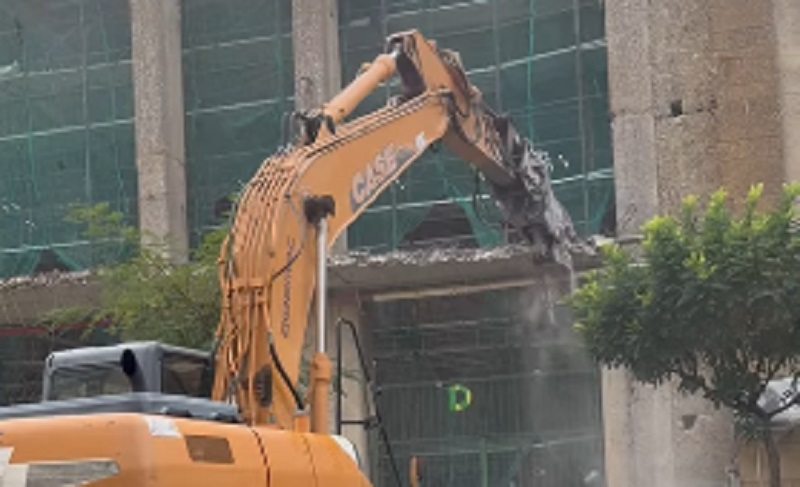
339	378
321	364
322	282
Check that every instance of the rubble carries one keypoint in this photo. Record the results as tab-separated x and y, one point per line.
354	259
429	256
48	279
447	255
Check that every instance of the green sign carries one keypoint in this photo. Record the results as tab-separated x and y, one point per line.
459	398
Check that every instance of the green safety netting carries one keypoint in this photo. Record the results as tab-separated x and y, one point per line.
66	136
238	82
541	61
24	350
486	389
66	133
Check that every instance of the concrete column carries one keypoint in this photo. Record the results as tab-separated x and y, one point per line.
787	22
159	114
355	402
633	121
701	97
315	38
317	66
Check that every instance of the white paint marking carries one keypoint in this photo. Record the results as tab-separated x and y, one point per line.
162	427
420	141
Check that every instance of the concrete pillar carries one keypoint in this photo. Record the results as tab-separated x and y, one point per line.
315	38
703	95
317	66
355	401
356	404
787	22
159	124
695	101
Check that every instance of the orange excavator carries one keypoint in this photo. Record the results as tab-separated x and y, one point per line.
149	414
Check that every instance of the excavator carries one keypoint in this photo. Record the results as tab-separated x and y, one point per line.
151	414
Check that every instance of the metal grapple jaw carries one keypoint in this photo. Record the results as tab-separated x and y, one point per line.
530	204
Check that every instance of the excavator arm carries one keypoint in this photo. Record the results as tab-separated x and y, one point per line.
323	181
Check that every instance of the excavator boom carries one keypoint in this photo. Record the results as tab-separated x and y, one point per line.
332	171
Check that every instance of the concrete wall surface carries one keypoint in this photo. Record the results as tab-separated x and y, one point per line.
753	469
704	94
661	438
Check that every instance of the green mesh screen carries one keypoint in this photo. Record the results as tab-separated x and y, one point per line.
534	416
23	352
541	61
238	83
66	133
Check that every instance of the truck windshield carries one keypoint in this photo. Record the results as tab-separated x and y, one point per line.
89	381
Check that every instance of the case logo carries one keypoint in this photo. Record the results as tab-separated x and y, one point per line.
388	161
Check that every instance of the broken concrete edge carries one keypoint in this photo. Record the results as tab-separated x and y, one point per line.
424	257
46	280
584	257
24	298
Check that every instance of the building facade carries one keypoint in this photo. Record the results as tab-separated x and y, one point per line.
163	109
212	106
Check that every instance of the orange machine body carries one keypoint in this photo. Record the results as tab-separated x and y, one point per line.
150	451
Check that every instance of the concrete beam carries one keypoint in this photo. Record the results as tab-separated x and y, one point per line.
25	300
384	276
413	272
159	125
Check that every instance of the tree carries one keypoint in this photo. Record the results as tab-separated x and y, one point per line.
143	295
711	300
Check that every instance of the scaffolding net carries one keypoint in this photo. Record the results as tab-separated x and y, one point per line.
238	83
490	389
24	350
66	133
541	61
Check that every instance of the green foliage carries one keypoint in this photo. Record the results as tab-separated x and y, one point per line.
145	297
101	223
711	299
111	238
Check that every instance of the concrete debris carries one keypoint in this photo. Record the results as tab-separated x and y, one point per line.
422	257
427	256
435	255
45	280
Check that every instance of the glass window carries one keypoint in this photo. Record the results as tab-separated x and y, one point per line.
89	381
182	375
